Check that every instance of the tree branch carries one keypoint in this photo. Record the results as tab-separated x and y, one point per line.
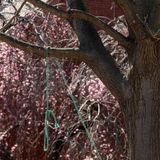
9	24
105	68
103	65
154	20
74	13
100	60
73	53
91	51
129	12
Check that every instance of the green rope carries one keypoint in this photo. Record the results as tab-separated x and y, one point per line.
48	111
75	103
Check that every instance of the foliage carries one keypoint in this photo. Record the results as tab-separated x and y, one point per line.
22	102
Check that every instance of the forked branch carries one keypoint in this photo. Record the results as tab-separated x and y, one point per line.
100	60
74	13
91	51
154	26
9	24
133	21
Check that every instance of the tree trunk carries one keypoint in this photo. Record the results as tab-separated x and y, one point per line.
143	106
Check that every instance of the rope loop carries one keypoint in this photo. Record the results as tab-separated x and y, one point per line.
48	111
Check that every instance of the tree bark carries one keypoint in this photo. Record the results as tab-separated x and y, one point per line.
143	111
139	99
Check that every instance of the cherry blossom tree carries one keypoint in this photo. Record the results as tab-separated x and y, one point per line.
138	92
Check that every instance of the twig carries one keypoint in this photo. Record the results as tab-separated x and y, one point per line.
9	24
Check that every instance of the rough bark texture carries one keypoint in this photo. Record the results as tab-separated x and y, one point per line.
143	112
98	55
142	104
138	97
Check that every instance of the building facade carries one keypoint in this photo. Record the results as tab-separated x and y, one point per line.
103	8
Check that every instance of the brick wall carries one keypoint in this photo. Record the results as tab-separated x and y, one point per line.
104	8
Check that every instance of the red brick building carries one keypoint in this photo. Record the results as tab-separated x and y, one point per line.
102	8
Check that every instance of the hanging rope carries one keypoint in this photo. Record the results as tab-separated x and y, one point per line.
75	103
48	111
